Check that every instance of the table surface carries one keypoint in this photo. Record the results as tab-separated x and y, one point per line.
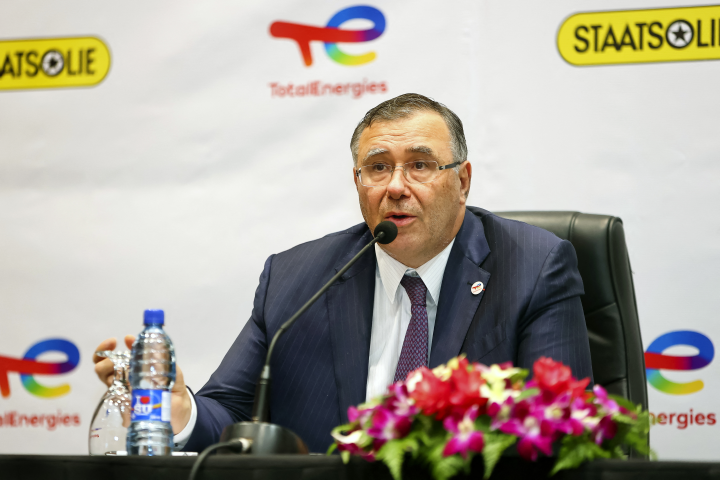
301	467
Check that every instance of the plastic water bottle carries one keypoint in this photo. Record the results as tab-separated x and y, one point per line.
152	375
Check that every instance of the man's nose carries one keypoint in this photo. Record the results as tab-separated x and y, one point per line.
398	184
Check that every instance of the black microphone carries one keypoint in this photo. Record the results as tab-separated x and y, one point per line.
385	232
264	437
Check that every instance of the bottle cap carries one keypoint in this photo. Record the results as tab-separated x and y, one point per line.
154	317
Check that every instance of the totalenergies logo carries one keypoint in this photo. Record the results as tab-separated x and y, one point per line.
656	361
27	366
332	34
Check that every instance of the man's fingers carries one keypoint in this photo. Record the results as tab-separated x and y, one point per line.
104	368
181	403
179	386
107	344
105	371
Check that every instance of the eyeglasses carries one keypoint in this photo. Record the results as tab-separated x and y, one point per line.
417	171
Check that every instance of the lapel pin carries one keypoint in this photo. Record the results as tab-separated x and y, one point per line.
477	287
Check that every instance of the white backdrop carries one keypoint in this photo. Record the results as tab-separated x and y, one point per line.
169	183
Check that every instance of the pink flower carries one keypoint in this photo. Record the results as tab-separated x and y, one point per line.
528	422
465	437
601	398
399	401
582	416
353	413
605	430
356	450
605	427
351	443
500	413
559	414
388	426
361	415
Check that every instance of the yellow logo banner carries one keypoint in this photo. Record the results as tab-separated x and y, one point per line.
641	36
53	63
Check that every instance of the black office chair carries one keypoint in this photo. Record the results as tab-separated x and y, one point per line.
609	305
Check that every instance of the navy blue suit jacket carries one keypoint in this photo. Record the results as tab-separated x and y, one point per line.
530	308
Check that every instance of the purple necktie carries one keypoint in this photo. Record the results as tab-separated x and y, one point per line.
415	346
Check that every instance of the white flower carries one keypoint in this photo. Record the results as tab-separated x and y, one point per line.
412	381
352	438
494	373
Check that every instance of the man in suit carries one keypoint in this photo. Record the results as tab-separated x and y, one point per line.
457	279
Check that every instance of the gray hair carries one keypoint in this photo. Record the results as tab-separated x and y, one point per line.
407	105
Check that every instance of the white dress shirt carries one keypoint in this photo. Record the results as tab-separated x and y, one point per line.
390	320
182	438
391	314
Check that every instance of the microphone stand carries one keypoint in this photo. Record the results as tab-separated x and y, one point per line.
262	392
260	437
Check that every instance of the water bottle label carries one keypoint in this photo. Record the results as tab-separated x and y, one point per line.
150	405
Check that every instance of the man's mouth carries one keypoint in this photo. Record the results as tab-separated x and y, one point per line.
400	219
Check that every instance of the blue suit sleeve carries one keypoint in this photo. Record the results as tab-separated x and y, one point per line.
229	394
554	323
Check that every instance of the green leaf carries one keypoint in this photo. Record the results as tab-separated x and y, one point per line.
521	375
448	467
444	468
495	444
392	456
637	436
342	428
345	455
331	448
482	423
365	441
530	392
577	450
423	422
393	452
621	418
623	402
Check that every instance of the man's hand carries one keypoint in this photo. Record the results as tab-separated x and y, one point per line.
181	404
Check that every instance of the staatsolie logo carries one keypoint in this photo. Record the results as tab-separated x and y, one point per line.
656	361
29	366
332	34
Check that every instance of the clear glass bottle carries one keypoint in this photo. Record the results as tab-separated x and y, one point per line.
108	428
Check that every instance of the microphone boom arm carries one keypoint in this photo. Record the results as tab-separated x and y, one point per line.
262	394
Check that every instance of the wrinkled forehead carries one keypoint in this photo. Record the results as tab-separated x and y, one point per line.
424	132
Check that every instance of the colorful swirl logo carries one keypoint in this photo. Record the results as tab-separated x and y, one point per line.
29	366
656	361
332	34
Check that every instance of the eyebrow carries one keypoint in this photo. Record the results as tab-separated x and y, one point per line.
421	149
373	152
414	149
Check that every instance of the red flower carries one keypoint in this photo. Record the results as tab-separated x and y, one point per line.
555	378
431	394
465	389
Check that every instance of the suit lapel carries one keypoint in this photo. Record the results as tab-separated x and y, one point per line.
457	303
350	309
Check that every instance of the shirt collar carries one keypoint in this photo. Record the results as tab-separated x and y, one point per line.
431	272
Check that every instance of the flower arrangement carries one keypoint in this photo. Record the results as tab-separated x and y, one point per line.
445	416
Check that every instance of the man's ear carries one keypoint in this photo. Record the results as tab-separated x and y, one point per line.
355	178
465	176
